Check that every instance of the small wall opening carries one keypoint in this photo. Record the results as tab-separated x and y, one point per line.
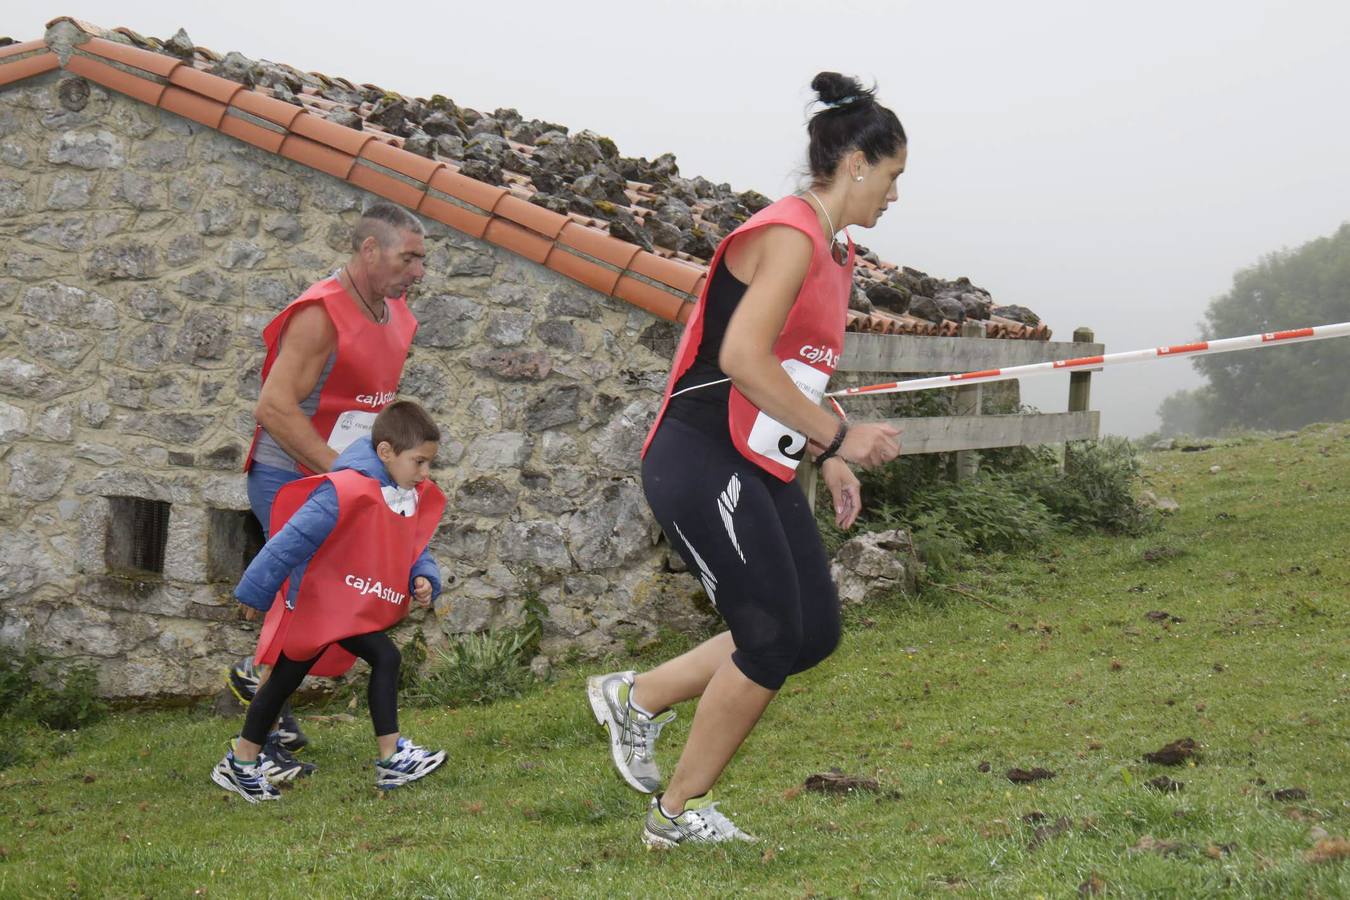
138	530
233	538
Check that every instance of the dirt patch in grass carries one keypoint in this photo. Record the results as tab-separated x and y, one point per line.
1175	753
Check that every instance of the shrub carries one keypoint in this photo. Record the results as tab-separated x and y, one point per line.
940	546
987	513
478	668
414	656
18	675
72	702
12	751
1095	490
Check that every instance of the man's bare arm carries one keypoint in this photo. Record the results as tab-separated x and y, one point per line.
306	343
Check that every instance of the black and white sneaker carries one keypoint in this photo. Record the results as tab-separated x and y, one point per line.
409	763
274	763
281	760
246	781
288	731
243	680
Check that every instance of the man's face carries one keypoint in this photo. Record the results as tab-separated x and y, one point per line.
397	265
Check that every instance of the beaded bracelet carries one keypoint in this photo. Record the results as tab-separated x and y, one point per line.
834	444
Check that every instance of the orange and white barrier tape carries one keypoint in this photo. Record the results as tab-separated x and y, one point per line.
1200	348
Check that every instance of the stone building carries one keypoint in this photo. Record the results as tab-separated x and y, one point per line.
159	203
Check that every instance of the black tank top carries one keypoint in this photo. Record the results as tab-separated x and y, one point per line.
705	407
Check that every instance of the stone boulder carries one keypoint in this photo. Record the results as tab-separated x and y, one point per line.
874	565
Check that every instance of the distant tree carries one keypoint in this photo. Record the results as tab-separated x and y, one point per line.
1184	412
1277	387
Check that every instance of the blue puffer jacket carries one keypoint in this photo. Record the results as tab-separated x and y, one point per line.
289	551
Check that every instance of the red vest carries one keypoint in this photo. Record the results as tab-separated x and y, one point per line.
365	375
357	581
808	347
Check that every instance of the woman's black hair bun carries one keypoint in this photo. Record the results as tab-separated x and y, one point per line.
832	88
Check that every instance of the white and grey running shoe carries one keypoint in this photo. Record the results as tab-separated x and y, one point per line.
274	764
632	733
700	823
246	781
409	763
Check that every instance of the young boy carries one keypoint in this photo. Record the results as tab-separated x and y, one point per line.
348	550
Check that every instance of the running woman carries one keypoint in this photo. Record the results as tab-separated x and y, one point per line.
742	409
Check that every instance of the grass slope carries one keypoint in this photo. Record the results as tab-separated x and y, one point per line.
1068	673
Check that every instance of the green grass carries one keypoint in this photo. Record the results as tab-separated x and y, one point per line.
1067	674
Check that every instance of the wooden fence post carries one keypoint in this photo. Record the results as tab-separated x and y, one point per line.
969	402
1080	389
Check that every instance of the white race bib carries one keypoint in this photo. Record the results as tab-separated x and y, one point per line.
773	439
349	426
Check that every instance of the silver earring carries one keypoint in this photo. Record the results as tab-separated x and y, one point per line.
857	178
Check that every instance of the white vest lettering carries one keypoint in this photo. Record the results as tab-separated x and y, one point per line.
365	586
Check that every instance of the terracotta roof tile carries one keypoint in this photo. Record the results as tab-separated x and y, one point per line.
222	90
317	156
154	63
595	243
393	173
20	49
418	168
14	66
330	134
535	218
256	103
681	276
658	301
250	132
143	89
454	215
193	106
477	194
593	274
529	244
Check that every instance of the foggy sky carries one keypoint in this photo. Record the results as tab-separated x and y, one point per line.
1106	165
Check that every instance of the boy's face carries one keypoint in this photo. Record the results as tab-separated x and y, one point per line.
410	467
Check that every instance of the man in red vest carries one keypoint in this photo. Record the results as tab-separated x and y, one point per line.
334	359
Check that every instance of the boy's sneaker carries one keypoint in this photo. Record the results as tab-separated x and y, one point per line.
700	823
288	730
409	763
632	733
246	781
243	680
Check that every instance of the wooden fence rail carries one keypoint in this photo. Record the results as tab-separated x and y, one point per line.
963	434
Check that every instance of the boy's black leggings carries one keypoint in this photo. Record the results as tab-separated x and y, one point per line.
382	692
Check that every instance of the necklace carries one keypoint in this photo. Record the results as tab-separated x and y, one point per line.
834	240
378	317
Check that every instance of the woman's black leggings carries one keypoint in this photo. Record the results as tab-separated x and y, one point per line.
753	543
382	692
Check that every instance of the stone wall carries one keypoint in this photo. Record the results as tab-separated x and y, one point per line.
140	256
